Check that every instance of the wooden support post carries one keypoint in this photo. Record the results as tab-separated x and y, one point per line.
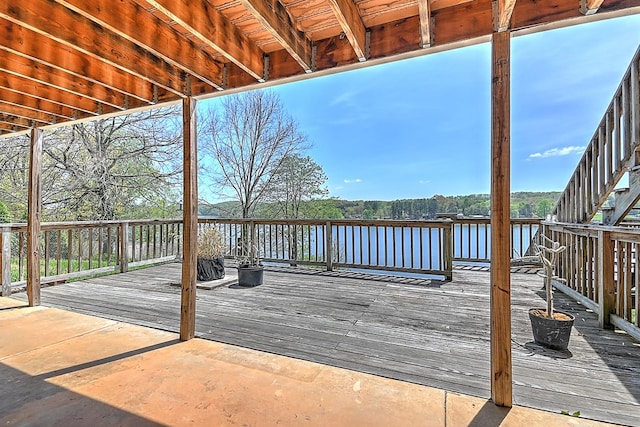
448	250
34	217
190	220
124	247
328	245
607	285
501	373
5	262
635	101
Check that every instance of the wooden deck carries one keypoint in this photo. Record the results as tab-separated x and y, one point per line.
425	332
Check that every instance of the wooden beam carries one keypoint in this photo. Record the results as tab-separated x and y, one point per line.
22	41
75	31
34	217
32	70
26	113
137	25
424	10
502	10
275	18
501	371
589	7
190	220
41	91
16	122
348	16
47	107
214	30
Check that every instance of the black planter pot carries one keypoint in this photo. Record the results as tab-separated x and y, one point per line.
552	333
250	276
210	269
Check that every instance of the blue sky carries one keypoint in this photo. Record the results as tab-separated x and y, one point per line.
421	126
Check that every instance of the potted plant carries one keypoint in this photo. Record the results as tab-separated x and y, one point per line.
211	249
550	328
250	268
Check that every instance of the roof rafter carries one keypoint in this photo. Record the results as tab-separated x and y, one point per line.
137	25
26	113
38	90
502	11
22	41
426	29
16	121
275	18
351	23
213	29
589	7
75	31
21	66
10	97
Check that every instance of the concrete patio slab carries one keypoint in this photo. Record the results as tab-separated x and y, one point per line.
61	368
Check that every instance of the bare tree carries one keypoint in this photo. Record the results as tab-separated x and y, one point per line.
109	167
248	138
100	170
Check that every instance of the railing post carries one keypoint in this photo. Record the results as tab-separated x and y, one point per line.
328	245
448	250
607	286
5	262
124	247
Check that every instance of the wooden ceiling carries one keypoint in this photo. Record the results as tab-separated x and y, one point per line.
62	60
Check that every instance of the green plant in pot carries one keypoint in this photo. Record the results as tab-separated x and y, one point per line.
550	328
211	249
250	268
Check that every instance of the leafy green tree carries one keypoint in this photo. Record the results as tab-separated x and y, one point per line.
5	215
298	179
544	207
107	169
100	170
325	209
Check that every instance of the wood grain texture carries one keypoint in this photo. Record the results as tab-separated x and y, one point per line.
501	372
73	30
135	24
34	217
503	11
212	28
424	10
348	16
422	331
25	42
190	220
274	17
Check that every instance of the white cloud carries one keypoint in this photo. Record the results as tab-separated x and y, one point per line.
423	182
554	152
352	181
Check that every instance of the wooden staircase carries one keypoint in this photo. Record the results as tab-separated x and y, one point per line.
614	151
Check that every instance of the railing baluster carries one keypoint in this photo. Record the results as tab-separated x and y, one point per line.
5	262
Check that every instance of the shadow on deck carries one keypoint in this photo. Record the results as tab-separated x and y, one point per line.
420	331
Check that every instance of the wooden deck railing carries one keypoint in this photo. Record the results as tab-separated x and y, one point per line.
599	269
609	155
77	249
472	238
407	246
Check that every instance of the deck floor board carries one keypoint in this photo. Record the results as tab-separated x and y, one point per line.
421	331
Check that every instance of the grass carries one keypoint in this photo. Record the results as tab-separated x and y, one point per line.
64	266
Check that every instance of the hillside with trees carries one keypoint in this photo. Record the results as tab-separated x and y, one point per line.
523	205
